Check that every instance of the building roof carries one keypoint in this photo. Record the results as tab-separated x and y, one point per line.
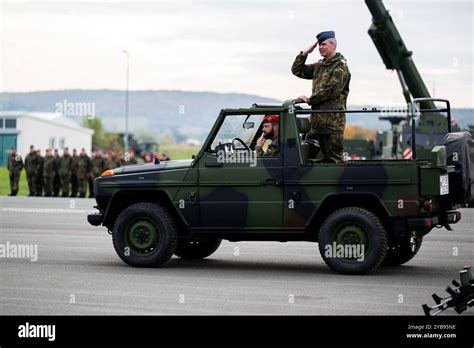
50	117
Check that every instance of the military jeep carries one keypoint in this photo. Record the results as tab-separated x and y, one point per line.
361	213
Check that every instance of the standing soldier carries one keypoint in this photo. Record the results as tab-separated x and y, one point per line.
130	157
66	164
31	167
56	180
331	78
98	167
15	165
39	178
48	173
112	161
83	169
74	183
120	159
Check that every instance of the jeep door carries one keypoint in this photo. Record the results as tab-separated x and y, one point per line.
237	189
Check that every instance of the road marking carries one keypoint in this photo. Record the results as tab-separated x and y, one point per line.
47	210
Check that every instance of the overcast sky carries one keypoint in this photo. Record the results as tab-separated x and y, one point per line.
228	46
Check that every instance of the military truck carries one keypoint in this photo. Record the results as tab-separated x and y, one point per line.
361	213
431	126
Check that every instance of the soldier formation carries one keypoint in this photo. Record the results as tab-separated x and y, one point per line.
67	175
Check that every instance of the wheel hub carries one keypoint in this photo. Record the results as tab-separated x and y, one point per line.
142	236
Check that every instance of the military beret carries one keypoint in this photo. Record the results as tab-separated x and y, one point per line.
324	35
271	118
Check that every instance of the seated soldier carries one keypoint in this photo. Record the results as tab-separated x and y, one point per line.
269	131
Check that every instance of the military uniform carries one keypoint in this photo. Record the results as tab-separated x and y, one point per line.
65	167
98	166
15	165
56	180
49	171
31	167
83	166
74	181
130	161
39	179
272	149
331	78
113	162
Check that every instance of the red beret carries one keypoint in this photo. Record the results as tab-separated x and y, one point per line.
270	118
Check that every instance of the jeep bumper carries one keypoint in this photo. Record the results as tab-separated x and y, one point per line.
424	225
95	219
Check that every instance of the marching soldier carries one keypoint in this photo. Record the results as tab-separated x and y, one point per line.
83	166
39	179
74	183
31	167
49	171
331	78
66	164
98	166
15	165
56	180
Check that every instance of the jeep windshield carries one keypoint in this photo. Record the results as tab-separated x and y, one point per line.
236	129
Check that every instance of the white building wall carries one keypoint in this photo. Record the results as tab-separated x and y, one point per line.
38	132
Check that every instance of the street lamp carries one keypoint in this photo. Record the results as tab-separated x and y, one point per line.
126	103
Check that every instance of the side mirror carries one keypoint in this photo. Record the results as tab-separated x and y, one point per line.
248	125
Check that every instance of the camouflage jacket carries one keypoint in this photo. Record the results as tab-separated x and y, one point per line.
65	165
15	164
49	167
56	164
272	149
40	165
98	166
75	159
113	162
331	78
31	163
83	166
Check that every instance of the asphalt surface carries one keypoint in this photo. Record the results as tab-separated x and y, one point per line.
78	272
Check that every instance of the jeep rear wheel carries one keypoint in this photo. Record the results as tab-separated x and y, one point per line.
402	251
353	241
145	235
197	248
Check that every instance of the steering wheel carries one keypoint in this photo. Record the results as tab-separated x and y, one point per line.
240	141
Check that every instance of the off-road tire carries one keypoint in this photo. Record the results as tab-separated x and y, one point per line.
154	216
372	230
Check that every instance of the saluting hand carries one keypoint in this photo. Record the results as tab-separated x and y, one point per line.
310	49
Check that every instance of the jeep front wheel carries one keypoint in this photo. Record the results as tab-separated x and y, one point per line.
145	235
353	241
197	248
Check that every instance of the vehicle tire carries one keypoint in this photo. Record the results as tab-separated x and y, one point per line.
197	248
145	235
402	252
356	230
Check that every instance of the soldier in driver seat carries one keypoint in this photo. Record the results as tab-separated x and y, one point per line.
269	131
